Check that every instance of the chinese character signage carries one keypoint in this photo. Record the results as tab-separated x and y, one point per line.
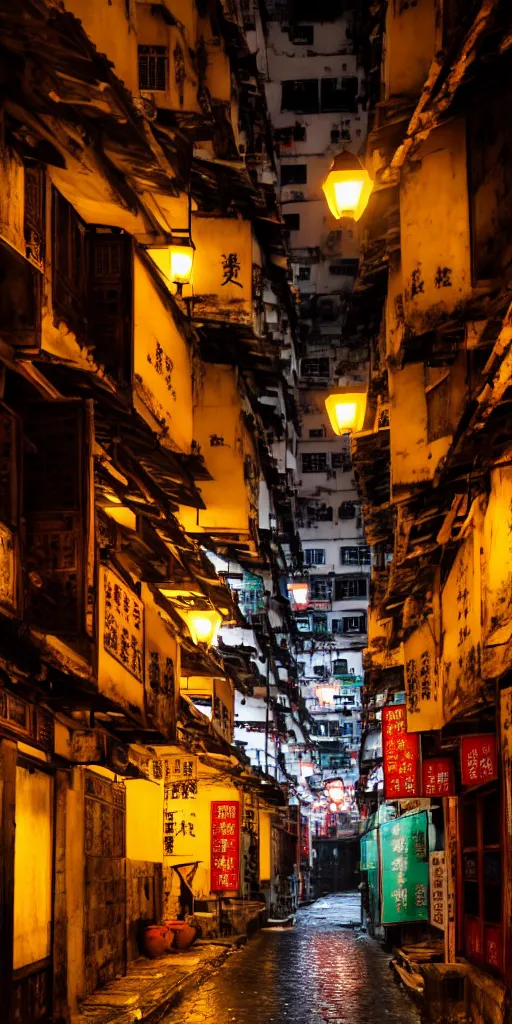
424	700
223	270
438	777
178	773
478	760
123	625
405	867
225	845
462	630
437	878
180	831
401	754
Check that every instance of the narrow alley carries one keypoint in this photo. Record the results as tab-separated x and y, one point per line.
324	970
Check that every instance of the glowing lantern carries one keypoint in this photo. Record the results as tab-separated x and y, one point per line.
333	808
336	793
203	624
299	593
182	258
347	187
346	409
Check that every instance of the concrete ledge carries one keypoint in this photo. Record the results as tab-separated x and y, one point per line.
151	988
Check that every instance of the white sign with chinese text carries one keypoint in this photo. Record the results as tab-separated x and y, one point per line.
438	893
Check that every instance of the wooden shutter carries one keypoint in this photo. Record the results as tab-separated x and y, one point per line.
57	495
110	302
68	271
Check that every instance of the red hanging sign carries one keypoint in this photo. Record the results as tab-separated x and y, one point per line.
401	754
478	759
225	845
438	777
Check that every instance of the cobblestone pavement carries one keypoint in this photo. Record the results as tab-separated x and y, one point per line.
317	973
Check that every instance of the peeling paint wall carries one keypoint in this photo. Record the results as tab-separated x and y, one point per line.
434	217
410	43
461	626
496	562
162	365
225	444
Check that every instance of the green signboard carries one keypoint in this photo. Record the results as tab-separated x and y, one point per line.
404	856
370	864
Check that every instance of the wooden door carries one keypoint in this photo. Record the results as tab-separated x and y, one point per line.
33	895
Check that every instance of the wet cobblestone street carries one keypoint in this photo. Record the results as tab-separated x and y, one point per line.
316	973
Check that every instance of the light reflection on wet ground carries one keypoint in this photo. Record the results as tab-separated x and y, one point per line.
318	973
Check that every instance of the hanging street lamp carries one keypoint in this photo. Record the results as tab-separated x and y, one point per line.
346	409
347	187
203	624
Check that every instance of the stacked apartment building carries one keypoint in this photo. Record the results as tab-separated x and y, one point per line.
147	509
435	470
315	98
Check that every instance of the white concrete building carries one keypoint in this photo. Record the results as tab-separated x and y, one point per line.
314	94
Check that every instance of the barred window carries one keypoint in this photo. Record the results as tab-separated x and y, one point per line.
314	556
314	462
153	68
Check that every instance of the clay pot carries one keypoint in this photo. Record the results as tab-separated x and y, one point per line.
157	940
184	934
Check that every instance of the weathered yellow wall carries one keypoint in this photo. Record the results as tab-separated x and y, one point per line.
214	295
413	458
144	820
409	47
163	386
461	623
225	497
434	218
32	867
496	564
265	845
197	811
110	30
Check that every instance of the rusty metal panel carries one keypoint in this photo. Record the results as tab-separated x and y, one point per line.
105	880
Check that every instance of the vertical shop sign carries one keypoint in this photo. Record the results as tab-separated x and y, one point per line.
123	632
404	861
438	777
478	760
437	880
370	864
401	754
225	845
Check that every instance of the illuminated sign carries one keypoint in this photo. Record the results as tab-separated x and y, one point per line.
401	754
405	869
478	760
438	778
225	845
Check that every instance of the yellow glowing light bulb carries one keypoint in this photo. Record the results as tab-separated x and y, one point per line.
347	194
182	258
203	624
347	187
346	409
336	793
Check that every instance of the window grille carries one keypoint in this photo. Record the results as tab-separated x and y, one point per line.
153	68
